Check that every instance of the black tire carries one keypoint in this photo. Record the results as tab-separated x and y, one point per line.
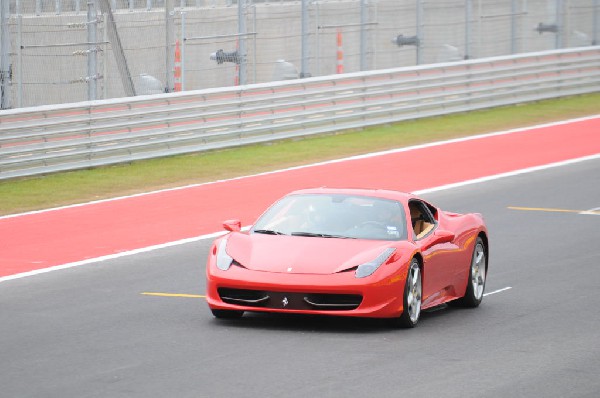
227	314
477	277
413	288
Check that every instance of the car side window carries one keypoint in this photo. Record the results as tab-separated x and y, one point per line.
422	218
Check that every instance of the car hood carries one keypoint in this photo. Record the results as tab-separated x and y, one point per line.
301	255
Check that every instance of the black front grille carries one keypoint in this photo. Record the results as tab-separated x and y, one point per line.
290	301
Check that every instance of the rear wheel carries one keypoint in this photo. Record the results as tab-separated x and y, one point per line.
227	314
412	297
477	274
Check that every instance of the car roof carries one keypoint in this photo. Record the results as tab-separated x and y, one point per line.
378	193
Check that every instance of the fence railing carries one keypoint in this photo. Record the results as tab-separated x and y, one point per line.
88	134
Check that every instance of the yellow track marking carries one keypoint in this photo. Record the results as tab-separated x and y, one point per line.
173	295
554	210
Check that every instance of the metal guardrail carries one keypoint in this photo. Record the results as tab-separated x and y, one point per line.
88	134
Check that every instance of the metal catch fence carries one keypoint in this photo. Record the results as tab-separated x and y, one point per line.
59	51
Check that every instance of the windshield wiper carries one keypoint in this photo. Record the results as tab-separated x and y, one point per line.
268	232
316	235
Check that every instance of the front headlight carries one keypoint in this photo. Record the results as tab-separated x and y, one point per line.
367	269
224	260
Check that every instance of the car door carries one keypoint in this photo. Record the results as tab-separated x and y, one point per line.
436	252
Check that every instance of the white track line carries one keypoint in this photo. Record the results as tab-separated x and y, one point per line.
498	291
508	174
591	212
110	257
215	234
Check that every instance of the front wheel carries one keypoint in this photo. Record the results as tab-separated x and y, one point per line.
411	298
477	274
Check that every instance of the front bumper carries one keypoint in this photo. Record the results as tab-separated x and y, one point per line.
342	294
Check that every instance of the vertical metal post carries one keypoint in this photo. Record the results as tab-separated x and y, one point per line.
304	65
595	40
566	20
182	50
513	27
19	54
5	66
169	46
38	7
92	56
20	57
478	51
58	7
117	48
559	33
468	17
77	6
242	40
363	34
318	38
105	58
254	52
420	32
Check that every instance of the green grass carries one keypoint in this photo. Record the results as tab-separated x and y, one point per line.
34	193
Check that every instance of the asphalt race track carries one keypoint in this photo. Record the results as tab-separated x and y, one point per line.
90	332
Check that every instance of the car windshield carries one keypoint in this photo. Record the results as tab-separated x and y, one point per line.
334	216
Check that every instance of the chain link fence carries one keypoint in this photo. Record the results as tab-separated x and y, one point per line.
59	51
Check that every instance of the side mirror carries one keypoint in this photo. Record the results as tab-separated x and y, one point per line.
232	225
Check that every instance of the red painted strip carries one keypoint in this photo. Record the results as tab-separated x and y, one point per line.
36	241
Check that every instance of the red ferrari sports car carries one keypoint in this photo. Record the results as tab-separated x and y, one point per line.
349	252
